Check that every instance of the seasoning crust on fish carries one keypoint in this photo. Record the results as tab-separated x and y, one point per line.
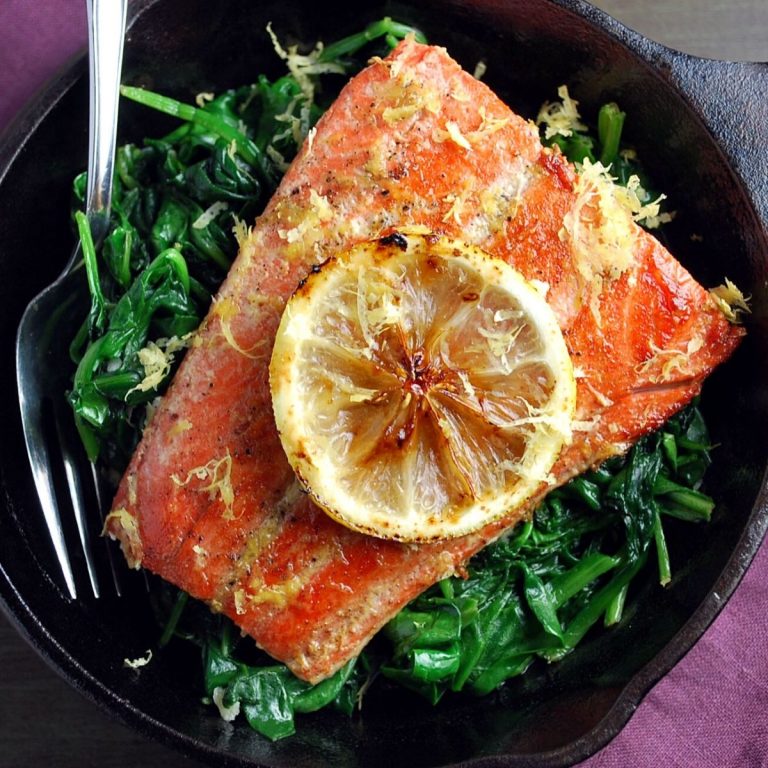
209	501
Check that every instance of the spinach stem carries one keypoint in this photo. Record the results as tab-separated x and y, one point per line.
246	148
597	606
615	608
662	553
392	31
173	618
589	568
97	316
610	122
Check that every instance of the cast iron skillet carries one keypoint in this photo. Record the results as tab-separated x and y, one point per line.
698	124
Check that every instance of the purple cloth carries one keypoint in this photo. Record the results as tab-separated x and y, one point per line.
36	39
711	710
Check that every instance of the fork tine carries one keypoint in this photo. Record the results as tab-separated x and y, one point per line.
40	460
71	457
101	498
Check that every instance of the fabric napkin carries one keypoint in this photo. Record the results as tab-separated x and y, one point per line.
711	710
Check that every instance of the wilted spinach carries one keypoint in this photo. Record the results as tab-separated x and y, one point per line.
533	595
536	593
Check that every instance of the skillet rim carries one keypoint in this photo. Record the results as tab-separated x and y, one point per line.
14	139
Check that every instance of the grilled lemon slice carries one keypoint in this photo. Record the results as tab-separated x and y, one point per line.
421	387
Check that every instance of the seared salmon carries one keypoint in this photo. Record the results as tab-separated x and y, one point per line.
209	501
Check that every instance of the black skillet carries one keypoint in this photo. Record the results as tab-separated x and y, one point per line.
701	128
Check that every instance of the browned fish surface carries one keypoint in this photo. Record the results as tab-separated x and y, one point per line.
209	501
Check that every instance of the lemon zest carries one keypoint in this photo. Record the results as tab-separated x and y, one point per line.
209	214
218	473
203	98
671	362
226	309
730	301
560	118
304	67
226	713
142	661
130	542
157	358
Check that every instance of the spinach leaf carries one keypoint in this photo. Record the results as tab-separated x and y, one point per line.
270	696
538	592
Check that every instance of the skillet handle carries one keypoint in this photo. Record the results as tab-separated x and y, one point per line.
732	100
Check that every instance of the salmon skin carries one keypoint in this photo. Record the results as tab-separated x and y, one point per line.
209	501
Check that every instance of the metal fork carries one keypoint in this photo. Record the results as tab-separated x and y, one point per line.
42	341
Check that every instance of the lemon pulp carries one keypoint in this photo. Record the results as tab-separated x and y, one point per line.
421	387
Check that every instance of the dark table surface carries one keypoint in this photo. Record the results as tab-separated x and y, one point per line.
43	721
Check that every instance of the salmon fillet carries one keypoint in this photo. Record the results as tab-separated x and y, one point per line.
209	501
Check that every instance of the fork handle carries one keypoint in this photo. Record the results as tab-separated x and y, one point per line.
106	32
